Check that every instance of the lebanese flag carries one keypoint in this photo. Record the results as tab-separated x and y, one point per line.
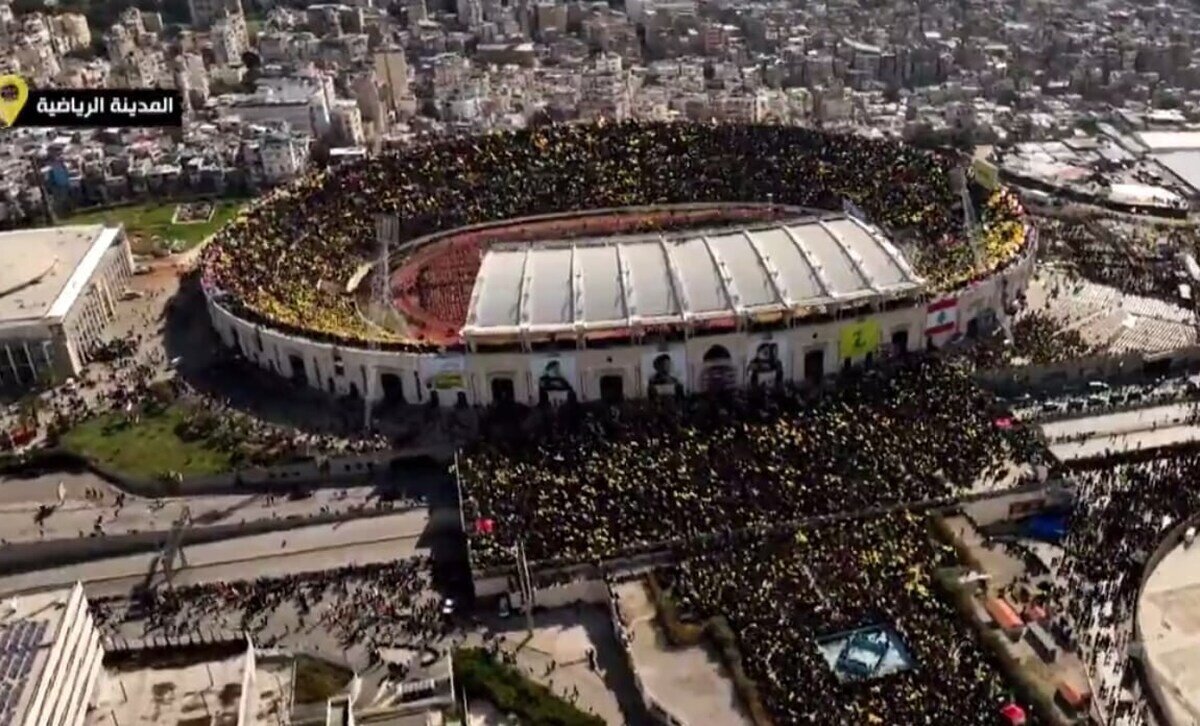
941	316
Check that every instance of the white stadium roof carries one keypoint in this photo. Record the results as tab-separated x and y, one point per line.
617	282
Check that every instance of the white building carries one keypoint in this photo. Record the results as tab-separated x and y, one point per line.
303	101
58	293
50	650
284	157
348	123
230	40
391	71
204	12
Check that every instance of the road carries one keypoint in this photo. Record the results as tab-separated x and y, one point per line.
77	516
305	549
1138	440
1122	422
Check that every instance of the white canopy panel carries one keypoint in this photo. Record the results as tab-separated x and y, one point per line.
615	282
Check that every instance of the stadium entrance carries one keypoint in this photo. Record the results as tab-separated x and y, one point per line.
612	388
393	389
299	375
503	391
814	366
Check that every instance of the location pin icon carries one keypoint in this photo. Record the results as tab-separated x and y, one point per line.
13	95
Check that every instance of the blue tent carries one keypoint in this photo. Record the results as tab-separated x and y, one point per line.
1048	527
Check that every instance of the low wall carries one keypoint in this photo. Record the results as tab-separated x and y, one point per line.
337	471
654	707
1130	367
1150	683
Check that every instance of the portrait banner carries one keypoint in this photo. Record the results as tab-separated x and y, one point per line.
766	362
554	378
664	372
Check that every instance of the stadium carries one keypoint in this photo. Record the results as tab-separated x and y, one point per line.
611	261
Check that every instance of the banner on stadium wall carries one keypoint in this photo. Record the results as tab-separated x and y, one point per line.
445	374
664	372
941	316
987	175
766	362
859	339
554	378
717	371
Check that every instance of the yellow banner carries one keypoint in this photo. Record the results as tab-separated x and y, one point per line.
449	380
859	338
986	174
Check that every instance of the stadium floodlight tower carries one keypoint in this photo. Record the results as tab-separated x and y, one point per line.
970	223
387	233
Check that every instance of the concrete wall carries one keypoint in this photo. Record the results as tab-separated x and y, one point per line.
360	370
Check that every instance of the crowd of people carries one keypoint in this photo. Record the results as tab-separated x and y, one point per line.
1124	511
784	594
376	606
1035	337
288	258
602	484
1137	259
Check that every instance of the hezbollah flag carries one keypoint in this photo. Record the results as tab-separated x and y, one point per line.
858	339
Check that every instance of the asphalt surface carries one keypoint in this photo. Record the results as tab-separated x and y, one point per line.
21	499
304	549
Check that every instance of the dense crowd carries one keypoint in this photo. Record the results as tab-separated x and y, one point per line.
378	606
288	258
784	594
1135	258
1035	338
1124	511
601	484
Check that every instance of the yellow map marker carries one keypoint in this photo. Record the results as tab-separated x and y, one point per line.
13	95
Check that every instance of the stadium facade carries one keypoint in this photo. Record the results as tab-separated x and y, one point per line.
797	298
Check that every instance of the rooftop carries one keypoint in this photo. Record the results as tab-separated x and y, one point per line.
613	282
203	691
28	626
45	269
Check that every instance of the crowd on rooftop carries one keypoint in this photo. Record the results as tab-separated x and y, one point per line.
599	484
287	259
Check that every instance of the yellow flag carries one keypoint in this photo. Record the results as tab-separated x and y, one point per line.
858	339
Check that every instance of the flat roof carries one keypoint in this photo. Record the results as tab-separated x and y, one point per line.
28	627
614	282
1169	619
1169	140
44	270
1183	164
204	691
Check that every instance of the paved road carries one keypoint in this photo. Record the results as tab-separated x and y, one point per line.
1098	445
21	498
305	549
1141	419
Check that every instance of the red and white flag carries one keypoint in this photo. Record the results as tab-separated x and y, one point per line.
941	316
